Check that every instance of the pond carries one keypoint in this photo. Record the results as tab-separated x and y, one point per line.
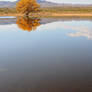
45	55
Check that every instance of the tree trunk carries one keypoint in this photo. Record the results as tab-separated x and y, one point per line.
27	14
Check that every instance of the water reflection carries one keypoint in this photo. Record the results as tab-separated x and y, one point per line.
28	24
73	28
81	32
46	60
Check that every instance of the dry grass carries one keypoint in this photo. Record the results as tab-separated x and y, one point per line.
52	12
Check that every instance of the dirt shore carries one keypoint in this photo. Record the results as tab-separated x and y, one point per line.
53	15
70	14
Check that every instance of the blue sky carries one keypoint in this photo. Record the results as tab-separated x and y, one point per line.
66	1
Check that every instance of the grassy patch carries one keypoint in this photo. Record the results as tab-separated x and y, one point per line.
7	10
51	10
68	9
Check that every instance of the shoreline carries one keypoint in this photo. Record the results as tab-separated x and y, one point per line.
72	15
52	15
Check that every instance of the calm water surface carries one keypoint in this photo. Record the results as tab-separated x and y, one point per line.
45	55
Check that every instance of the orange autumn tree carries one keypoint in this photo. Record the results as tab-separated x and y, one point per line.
27	6
26	23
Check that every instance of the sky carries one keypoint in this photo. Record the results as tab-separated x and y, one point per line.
73	1
8	0
66	1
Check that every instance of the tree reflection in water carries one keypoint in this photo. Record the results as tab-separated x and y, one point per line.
27	23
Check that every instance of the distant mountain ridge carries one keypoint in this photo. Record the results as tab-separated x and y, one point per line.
7	4
43	3
12	4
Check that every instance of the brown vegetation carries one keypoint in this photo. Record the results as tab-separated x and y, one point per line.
51	12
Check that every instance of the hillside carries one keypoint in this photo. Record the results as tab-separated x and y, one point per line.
43	3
